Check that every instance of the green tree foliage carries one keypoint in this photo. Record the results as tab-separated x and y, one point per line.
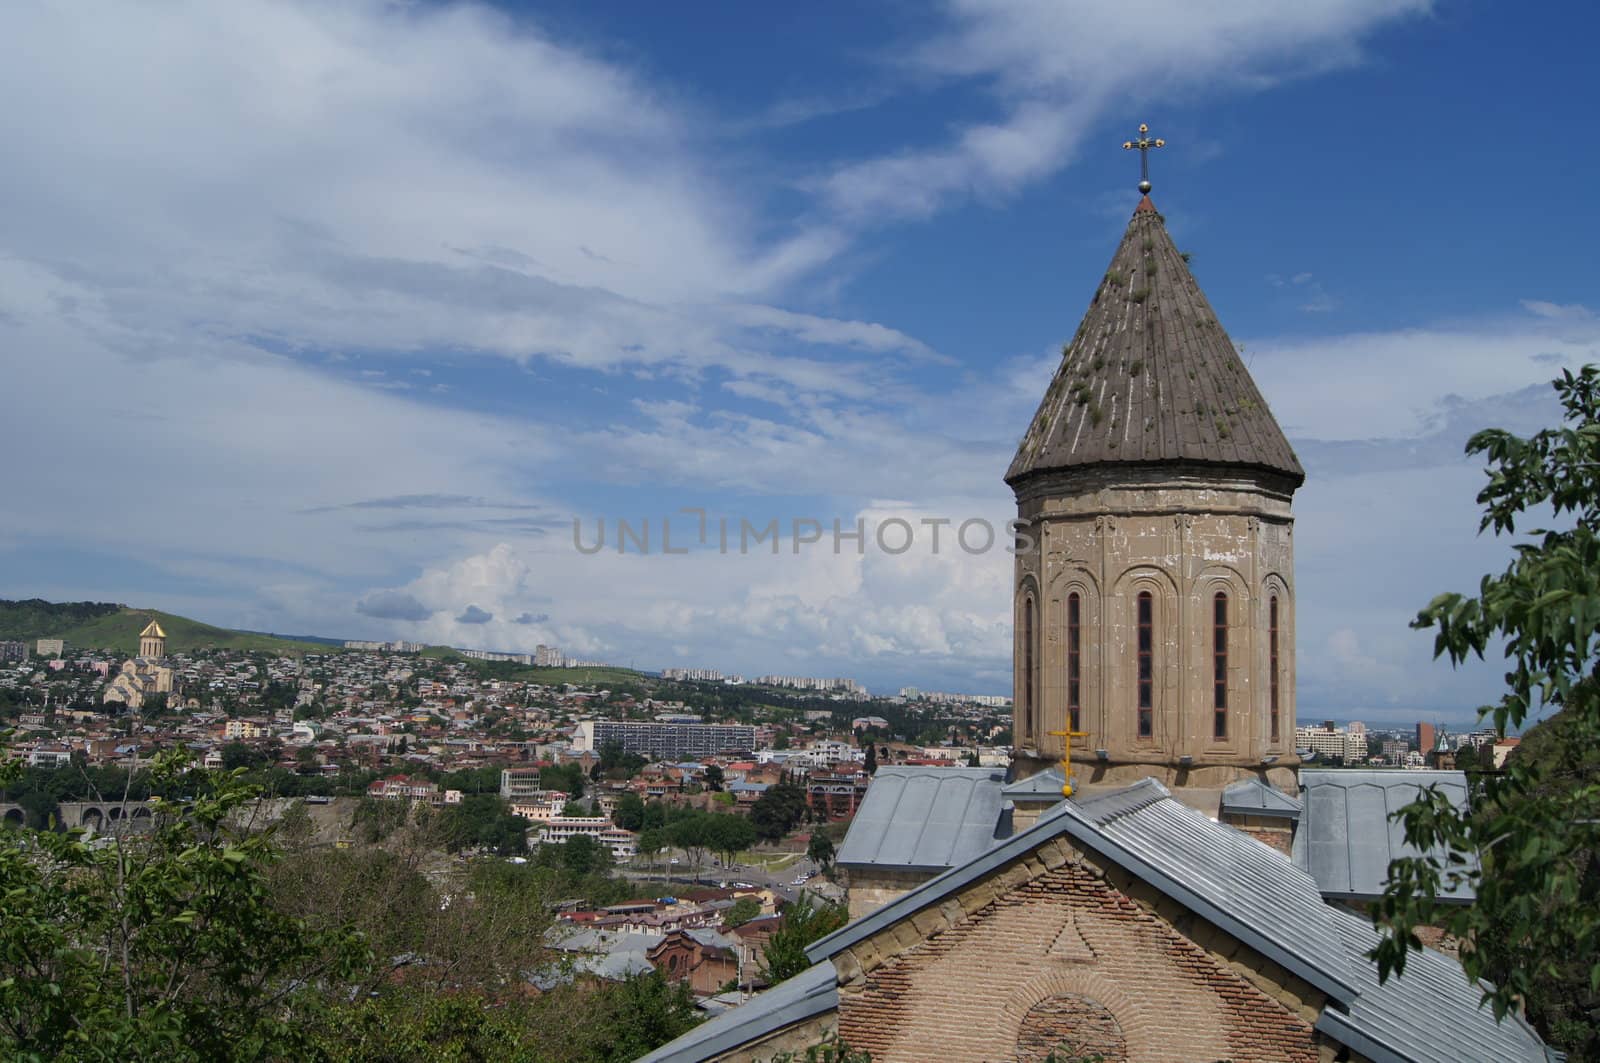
692	834
238	755
820	849
714	778
652	842
616	763
472	780
744	909
831	1050
568	778
778	811
484	821
729	834
640	1014
583	855
165	945
1535	828
629	814
37	618
784	954
872	758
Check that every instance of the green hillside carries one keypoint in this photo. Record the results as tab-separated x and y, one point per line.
599	676
105	626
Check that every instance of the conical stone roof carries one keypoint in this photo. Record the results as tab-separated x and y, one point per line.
1151	378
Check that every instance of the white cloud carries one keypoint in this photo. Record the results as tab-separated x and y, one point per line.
1398	383
218	452
1054	67
387	178
1558	311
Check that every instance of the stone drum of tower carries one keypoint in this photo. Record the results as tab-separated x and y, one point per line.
1155	607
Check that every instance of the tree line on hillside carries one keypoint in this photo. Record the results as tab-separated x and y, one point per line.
37	618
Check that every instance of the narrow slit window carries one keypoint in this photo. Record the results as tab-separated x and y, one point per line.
1219	659
1074	660
1272	662
1027	667
1147	643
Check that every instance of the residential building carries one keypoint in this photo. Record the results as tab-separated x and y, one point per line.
804	682
50	756
405	788
50	647
665	741
624	845
519	782
1330	741
705	959
702	675
239	730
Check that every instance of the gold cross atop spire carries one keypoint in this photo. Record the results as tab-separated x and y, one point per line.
1066	757
1144	144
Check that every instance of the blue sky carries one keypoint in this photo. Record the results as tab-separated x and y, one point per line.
332	317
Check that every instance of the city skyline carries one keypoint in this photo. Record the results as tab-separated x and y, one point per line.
320	397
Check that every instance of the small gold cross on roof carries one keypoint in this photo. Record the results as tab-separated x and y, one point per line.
1144	144
1066	757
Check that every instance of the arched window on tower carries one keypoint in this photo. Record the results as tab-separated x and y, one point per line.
1028	702
1074	660
1272	662
1147	671
1219	658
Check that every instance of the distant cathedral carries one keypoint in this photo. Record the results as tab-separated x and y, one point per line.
144	675
1155	611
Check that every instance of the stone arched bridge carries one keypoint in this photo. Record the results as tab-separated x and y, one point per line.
96	816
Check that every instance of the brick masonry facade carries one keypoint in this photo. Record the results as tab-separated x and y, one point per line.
1060	958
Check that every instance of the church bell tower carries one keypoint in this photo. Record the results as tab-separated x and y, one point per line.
1154	611
152	642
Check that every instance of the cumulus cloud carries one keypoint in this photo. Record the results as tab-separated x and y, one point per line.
393	605
316	201
1053	69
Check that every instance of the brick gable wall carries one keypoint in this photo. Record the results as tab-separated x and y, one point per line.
1063	957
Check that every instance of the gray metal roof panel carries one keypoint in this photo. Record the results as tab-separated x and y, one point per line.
924	817
1429	1014
1255	885
1255	798
1347	837
809	993
1238	884
1045	783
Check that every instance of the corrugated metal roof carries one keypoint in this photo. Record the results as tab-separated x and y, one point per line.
1346	837
811	992
1248	882
926	818
1045	783
1252	797
1235	882
1429	1014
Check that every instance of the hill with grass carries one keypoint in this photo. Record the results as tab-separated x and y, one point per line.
109	626
599	675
